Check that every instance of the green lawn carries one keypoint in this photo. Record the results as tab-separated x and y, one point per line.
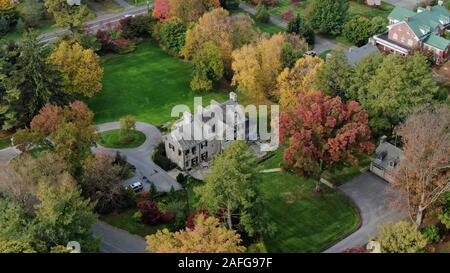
305	222
355	9
5	142
107	6
112	139
45	26
147	84
126	222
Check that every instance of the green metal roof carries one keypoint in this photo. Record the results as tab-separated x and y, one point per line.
424	22
437	42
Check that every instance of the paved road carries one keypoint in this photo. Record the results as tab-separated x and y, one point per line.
98	23
410	4
7	154
141	157
116	240
373	197
321	44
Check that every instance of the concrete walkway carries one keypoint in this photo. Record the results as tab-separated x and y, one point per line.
321	44
141	157
373	197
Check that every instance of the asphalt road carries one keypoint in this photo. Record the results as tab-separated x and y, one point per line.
96	24
115	240
373	197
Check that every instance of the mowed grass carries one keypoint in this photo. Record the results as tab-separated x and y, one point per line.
107	6
304	221
5	142
147	84
355	9
113	139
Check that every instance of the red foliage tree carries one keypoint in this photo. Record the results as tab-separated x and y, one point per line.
161	9
151	214
191	219
323	132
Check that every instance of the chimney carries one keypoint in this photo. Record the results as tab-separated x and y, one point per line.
406	18
429	8
233	97
383	139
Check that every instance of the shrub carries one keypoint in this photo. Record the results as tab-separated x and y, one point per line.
137	216
160	158
262	14
136	27
431	232
401	237
257	248
172	35
191	219
150	213
355	249
302	28
181	178
288	15
127	126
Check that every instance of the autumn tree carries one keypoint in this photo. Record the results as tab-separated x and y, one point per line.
244	30
401	237
256	66
296	81
81	69
101	182
328	16
19	179
423	173
387	99
334	77
207	236
14	222
67	15
63	216
191	10
322	133
161	9
231	187
70	130
127	127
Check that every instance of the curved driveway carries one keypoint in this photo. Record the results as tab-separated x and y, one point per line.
373	197
141	157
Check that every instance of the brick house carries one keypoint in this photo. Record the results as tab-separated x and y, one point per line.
423	30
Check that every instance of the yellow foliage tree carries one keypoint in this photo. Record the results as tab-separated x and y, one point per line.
298	80
256	66
81	68
206	237
190	10
215	27
6	5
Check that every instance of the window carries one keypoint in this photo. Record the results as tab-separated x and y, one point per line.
179	152
395	36
194	149
186	152
186	164
194	161
205	156
410	42
214	128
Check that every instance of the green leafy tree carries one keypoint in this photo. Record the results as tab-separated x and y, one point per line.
357	30
66	15
32	11
13	221
262	14
231	187
29	82
388	99
334	77
401	237
302	28
208	68
63	216
127	127
15	246
172	34
328	16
